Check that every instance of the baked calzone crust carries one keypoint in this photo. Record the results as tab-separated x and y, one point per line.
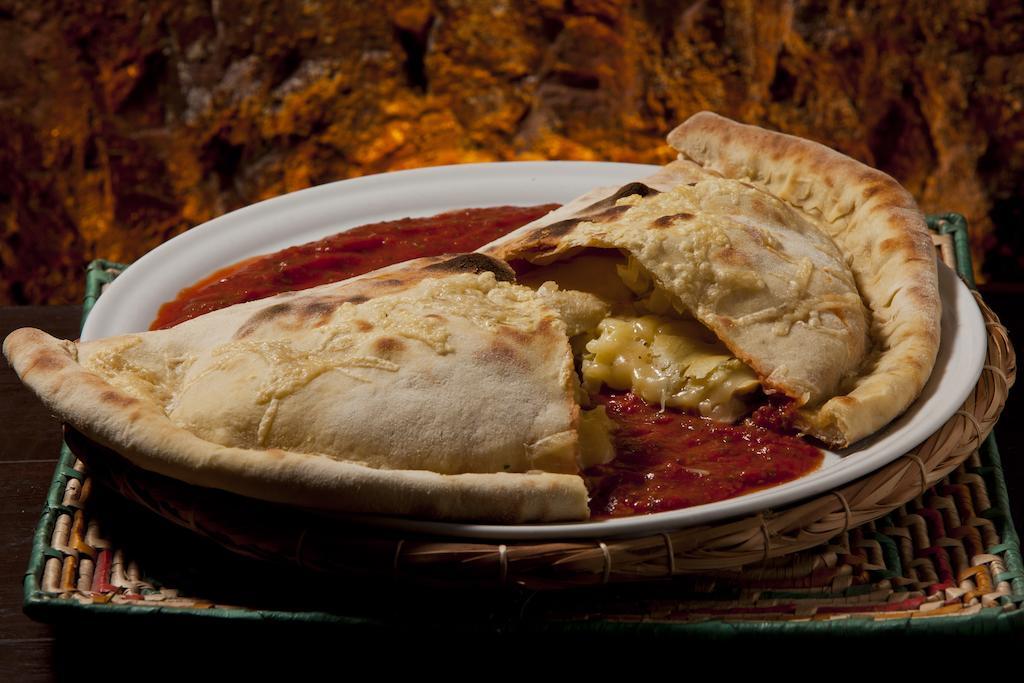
814	269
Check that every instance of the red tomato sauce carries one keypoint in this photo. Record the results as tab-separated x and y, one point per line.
345	255
668	460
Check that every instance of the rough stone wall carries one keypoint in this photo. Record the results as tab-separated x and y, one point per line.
122	124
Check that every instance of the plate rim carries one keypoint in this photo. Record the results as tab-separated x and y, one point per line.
103	316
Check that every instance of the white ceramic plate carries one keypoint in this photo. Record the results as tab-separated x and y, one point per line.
131	303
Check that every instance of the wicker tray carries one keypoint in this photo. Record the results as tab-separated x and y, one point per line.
927	536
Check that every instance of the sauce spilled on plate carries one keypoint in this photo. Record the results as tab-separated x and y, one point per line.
345	255
668	460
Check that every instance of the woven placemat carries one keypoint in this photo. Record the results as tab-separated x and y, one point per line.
940	544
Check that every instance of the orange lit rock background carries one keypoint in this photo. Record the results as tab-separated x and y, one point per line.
126	123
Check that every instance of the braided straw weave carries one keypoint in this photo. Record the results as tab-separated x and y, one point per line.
939	555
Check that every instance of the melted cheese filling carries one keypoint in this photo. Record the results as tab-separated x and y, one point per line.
670	362
645	342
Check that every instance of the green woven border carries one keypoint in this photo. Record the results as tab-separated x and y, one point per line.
989	621
97	274
956	225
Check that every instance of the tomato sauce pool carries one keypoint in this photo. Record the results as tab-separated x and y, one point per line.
345	255
666	460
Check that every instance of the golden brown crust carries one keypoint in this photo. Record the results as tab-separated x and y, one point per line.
878	226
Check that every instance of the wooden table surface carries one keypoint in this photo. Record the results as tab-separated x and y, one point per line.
28	454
